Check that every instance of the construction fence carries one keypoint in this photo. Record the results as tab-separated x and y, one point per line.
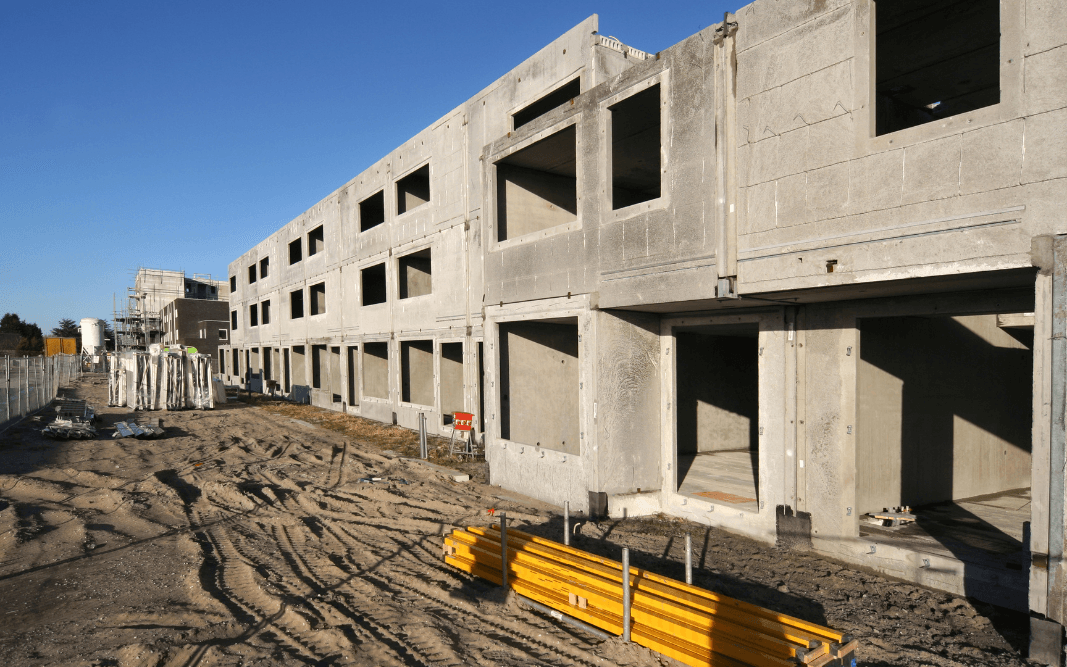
28	383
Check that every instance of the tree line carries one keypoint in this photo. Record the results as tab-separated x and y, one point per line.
31	339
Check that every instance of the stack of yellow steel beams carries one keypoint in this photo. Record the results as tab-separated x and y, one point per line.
690	624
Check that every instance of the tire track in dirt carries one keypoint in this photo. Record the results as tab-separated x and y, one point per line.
515	633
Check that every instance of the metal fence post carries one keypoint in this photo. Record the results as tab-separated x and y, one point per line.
688	558
7	387
567	522
19	386
625	594
504	549
423	453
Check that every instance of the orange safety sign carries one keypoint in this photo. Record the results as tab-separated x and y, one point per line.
462	421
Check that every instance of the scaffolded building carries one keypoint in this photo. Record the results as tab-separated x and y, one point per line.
141	323
798	269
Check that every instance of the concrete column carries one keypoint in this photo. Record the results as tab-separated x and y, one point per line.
1048	578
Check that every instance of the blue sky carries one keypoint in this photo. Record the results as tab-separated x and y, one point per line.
177	135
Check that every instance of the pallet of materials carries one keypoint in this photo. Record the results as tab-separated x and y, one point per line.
692	625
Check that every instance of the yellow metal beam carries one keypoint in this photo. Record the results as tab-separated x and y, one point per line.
693	625
741	612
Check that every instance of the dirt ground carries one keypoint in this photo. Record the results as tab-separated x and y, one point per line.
245	537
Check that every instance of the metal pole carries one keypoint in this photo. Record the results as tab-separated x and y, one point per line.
625	594
7	387
20	387
423	453
504	549
596	632
688	558
567	522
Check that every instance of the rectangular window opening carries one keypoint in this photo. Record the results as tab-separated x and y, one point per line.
268	369
222	334
372	211
537	187
635	149
316	242
236	369
373	284
233	320
539	384
295	252
416	372
717	387
318	365
376	370
415	274
264	267
934	60
233	284
296	304
253	315
264	311
413	190
452	399
556	98
251	274
317	294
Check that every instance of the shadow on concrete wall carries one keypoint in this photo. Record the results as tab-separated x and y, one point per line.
963	402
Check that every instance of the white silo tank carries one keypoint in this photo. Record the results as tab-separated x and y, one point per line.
92	336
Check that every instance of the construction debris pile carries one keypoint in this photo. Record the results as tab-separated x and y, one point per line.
692	625
168	378
74	420
149	429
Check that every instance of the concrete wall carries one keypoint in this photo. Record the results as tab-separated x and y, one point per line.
779	208
539	384
376	370
628	402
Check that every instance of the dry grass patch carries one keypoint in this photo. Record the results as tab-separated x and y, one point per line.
372	434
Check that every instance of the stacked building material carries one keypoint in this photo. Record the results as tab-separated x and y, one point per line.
690	624
141	431
66	429
74	420
160	379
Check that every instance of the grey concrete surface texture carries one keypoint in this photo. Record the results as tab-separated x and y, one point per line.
809	232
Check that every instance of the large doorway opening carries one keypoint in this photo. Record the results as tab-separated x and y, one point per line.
353	375
944	428
452	394
335	375
718	413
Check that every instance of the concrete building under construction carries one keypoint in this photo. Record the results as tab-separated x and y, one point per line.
806	265
141	321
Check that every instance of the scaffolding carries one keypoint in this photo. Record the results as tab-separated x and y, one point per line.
139	322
